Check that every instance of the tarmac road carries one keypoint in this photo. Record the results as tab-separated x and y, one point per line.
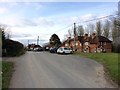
46	70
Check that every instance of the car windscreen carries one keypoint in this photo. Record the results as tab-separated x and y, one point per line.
66	48
61	49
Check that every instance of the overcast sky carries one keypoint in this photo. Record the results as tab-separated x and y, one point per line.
28	20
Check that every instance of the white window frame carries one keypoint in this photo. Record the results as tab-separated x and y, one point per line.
66	44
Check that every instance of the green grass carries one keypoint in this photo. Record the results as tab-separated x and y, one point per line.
109	61
7	68
0	75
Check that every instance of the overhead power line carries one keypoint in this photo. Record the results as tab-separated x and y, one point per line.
80	22
60	29
95	19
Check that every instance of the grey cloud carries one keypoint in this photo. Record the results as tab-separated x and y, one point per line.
22	38
37	22
15	35
25	41
24	22
29	22
44	22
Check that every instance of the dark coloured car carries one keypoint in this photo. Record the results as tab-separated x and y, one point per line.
38	49
53	50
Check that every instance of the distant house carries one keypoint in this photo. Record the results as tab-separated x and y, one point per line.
33	46
47	46
74	44
89	44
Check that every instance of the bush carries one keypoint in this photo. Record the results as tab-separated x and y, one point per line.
13	48
116	45
116	48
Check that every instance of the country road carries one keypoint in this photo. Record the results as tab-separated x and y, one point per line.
46	70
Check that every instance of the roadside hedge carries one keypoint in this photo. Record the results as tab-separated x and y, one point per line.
13	48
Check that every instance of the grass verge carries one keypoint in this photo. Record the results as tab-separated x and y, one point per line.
109	61
0	75
7	69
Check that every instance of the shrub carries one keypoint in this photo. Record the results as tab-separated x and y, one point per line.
14	48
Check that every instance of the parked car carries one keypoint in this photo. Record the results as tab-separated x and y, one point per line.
53	50
38	49
64	50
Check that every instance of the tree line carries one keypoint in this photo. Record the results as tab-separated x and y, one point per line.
9	47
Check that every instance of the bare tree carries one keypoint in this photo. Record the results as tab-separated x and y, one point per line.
6	30
106	29
116	35
87	30
99	28
2	32
65	37
80	30
69	33
90	28
115	29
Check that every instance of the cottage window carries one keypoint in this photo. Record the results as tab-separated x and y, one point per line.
104	43
76	44
72	44
80	44
66	44
86	43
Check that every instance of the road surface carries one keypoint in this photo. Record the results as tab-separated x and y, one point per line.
46	70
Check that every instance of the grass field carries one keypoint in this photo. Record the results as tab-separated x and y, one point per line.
109	61
7	68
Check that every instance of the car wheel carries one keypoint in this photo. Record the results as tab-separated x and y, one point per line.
63	53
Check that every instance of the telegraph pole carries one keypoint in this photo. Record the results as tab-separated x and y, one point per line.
28	42
38	40
75	36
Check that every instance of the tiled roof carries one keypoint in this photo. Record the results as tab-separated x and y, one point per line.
103	39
